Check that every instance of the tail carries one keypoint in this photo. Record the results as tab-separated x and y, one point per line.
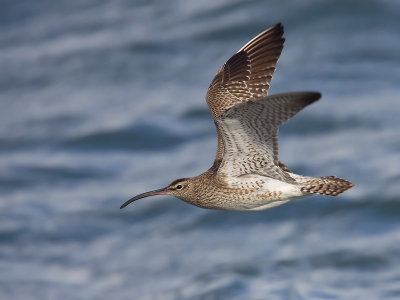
329	185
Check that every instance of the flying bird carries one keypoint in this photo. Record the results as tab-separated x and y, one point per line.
247	174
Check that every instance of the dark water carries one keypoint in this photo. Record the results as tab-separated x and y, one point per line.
101	100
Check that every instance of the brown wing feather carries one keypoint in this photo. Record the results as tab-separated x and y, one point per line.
245	76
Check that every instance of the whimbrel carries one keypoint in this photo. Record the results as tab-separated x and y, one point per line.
246	174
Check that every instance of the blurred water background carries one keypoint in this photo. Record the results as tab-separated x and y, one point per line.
102	100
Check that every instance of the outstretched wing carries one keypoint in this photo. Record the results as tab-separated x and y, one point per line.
249	132
246	75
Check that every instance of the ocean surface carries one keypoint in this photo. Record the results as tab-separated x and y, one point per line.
103	100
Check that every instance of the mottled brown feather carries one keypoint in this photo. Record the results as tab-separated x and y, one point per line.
328	185
245	76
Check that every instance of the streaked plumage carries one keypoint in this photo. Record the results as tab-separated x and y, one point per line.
246	174
246	75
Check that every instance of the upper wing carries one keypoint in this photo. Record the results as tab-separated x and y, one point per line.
246	75
249	132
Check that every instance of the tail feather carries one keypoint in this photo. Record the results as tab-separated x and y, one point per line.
329	185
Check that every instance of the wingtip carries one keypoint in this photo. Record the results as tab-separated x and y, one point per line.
311	97
274	32
279	27
315	95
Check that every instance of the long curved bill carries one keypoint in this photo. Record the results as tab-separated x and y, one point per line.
144	195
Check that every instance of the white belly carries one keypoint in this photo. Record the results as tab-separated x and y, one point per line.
265	192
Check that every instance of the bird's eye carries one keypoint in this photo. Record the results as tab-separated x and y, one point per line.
179	187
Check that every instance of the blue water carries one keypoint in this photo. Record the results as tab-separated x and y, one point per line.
102	100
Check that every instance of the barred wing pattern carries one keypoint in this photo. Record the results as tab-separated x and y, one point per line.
246	75
249	133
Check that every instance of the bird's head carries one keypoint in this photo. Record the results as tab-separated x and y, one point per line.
180	188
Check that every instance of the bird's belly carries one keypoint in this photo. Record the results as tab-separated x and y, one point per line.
259	193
